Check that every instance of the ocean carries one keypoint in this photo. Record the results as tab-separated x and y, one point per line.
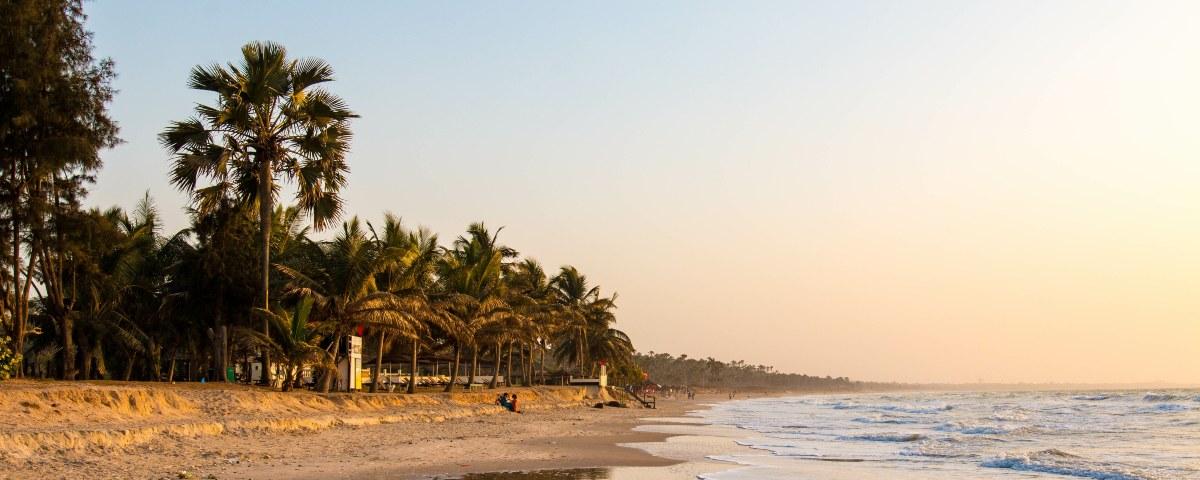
1094	435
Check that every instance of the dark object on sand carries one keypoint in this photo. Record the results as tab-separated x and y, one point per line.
598	405
614	403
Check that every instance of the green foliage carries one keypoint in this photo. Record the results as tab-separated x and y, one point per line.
666	369
54	121
106	294
10	361
272	117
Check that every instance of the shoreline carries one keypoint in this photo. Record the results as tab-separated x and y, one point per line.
161	431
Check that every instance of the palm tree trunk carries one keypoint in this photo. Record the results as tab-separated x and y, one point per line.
288	374
474	367
533	363
171	370
508	369
68	346
155	352
221	342
454	368
86	352
579	354
495	368
329	374
129	367
18	320
264	222
412	371
542	364
378	362
525	365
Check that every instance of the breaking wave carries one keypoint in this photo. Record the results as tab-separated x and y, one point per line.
886	437
1057	462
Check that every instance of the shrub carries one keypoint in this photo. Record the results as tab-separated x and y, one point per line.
10	361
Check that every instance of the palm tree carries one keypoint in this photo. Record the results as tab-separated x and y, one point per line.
605	342
271	119
342	284
413	276
470	276
573	297
532	299
296	341
209	289
108	261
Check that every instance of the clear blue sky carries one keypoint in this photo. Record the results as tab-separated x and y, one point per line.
843	188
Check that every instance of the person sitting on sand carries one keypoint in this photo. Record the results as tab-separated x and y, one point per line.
502	401
512	405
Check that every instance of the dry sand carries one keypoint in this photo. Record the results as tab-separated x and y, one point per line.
152	431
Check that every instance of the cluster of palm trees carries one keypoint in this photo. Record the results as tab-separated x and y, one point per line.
115	298
473	300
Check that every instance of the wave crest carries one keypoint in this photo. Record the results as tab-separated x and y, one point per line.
1058	462
886	437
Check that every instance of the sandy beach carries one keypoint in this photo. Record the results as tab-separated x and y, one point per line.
147	430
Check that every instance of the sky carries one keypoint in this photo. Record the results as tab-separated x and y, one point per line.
902	191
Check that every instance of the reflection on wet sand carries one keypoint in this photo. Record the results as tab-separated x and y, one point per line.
568	474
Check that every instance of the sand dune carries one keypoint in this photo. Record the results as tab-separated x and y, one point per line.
47	418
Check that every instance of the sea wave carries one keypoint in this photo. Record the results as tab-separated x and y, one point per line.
1165	408
886	437
1123	434
968	429
1162	397
1016	414
934	450
1057	462
916	409
885	420
912	409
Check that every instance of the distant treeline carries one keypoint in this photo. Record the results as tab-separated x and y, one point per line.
665	369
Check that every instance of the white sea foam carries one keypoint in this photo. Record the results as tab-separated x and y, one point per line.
918	410
1109	436
973	429
887	419
1061	463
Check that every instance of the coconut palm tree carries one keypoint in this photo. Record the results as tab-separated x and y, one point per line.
573	297
413	276
470	279
531	298
604	342
296	341
342	283
271	119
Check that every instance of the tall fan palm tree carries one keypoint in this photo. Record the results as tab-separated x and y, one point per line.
271	119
